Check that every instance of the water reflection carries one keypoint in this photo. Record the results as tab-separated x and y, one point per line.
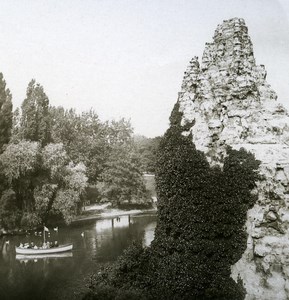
5	249
110	224
35	258
61	276
149	233
119	231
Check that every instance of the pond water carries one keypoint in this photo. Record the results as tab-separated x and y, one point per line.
63	277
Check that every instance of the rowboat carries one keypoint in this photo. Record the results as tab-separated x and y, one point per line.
39	251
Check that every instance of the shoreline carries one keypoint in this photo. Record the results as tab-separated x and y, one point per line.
113	214
97	213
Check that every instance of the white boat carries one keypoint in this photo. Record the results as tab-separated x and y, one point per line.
32	251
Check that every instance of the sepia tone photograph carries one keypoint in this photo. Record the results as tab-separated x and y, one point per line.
144	150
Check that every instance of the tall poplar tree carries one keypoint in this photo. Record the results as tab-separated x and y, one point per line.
35	120
5	113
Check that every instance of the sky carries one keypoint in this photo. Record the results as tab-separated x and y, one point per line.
126	58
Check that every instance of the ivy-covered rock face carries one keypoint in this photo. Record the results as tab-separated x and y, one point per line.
201	218
226	101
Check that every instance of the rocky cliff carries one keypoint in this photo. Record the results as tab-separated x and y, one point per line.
226	100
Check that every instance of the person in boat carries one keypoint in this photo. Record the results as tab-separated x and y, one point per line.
35	247
21	245
55	244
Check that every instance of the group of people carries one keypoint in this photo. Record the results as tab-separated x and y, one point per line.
45	245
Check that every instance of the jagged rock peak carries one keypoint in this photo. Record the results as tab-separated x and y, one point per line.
228	98
226	101
231	45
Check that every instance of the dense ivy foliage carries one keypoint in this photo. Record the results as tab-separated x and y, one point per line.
200	230
202	213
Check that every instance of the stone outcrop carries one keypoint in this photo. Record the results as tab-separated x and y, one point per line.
226	100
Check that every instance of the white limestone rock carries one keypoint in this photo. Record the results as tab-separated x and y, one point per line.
228	102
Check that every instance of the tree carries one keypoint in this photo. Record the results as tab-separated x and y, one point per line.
91	145
6	116
5	113
17	164
44	181
122	180
147	150
64	127
84	137
69	193
119	132
35	120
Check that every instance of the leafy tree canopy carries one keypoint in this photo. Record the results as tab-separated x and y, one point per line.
147	151
40	179
19	159
122	179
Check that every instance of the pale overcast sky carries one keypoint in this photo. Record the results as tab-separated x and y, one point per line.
126	58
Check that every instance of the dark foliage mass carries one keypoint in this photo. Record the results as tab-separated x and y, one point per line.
200	230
